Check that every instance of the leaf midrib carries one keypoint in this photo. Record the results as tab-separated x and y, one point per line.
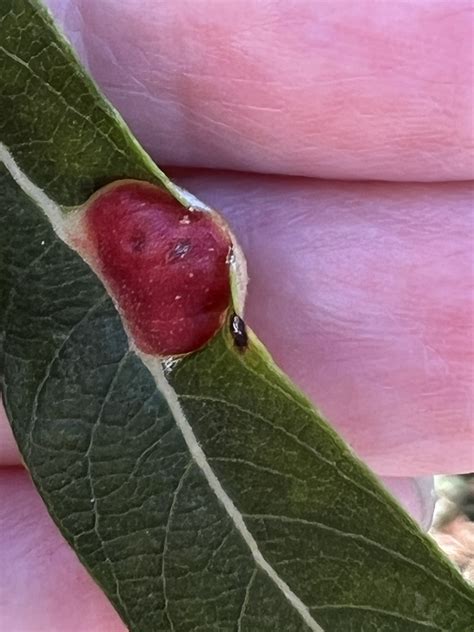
54	214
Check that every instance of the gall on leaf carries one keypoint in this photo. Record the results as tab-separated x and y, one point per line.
166	266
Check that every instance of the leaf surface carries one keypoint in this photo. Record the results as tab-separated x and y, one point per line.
205	494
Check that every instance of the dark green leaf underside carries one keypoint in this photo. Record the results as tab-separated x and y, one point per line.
110	462
53	119
104	448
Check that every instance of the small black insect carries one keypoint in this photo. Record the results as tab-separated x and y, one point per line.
238	331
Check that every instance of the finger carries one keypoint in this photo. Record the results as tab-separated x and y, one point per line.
350	90
9	453
364	295
44	588
416	495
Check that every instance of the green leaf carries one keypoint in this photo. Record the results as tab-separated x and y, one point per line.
205	494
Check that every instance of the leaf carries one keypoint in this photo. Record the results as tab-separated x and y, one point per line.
205	494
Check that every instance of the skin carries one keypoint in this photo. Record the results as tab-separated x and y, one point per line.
361	290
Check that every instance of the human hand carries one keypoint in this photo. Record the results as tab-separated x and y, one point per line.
362	291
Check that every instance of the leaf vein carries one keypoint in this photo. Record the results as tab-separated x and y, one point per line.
383	611
18	60
90	477
47	373
176	493
245	600
354	536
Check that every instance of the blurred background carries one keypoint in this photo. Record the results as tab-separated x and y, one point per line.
453	522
